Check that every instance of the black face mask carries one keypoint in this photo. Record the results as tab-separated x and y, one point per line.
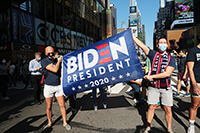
50	57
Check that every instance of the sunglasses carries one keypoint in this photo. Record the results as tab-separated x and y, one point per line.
52	53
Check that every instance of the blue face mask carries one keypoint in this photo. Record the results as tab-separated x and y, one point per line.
39	58
162	47
57	56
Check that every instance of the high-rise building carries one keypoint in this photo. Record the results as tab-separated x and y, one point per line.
133	17
114	18
162	3
123	24
27	26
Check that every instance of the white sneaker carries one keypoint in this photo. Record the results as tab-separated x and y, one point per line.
95	107
104	105
191	129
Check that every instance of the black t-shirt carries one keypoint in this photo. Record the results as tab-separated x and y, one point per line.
182	64
194	56
53	78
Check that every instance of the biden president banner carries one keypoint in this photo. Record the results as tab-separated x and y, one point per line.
106	62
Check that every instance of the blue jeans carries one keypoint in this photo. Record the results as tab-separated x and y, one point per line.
136	87
94	92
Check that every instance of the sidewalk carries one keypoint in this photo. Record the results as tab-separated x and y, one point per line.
21	116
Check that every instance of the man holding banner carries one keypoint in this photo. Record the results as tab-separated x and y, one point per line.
159	80
52	72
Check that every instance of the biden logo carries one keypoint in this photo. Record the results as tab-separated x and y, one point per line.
98	60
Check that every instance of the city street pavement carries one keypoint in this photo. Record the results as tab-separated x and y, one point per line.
20	115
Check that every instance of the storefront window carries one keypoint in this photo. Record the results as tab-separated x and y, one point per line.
59	14
82	8
49	10
73	21
78	7
39	8
83	26
78	24
67	3
66	18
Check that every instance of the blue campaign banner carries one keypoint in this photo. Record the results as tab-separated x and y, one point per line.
109	61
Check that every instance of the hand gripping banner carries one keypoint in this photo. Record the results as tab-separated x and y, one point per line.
106	62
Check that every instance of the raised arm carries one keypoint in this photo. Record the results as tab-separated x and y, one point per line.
55	68
141	45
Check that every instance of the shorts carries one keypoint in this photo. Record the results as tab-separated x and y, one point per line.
192	93
49	91
180	76
154	94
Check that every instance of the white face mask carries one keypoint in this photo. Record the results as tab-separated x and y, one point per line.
3	61
162	47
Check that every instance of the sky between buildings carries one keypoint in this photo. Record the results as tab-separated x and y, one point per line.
148	10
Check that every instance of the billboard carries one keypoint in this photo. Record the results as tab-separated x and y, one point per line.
109	61
26	28
184	12
133	9
133	19
175	40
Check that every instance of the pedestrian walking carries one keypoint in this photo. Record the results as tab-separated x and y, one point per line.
159	80
12	74
26	75
52	86
36	76
94	94
193	64
4	78
182	73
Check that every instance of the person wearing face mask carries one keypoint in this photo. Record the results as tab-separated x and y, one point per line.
4	78
162	66
52	86
36	76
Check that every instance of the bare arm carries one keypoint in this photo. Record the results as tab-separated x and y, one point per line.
5	68
133	81
164	74
141	45
196	89
55	68
185	73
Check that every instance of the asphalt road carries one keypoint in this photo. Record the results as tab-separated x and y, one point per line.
19	115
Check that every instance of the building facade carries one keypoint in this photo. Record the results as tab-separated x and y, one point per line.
67	25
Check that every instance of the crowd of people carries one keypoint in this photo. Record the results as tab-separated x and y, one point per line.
155	86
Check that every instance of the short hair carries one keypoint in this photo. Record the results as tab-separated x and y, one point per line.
198	37
37	53
184	51
161	38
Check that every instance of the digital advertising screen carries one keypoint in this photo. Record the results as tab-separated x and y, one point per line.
133	9
133	19
184	11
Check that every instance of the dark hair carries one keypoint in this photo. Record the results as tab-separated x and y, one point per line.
37	53
198	37
184	51
1	58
